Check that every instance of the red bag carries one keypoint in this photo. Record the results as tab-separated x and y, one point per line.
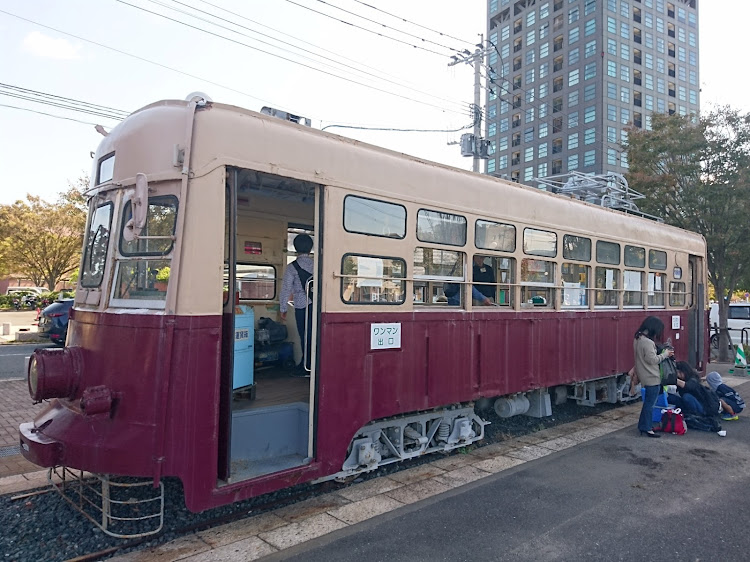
672	421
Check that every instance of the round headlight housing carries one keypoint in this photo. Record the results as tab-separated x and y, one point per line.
54	373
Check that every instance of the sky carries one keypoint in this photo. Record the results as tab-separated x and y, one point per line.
284	54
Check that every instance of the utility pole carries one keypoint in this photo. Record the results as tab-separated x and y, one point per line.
473	144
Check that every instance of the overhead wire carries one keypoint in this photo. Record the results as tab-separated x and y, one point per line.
389	27
365	29
354	68
350	80
298	39
411	22
47	114
62	103
17	91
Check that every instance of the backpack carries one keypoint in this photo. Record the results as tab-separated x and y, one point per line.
303	277
702	423
668	370
672	421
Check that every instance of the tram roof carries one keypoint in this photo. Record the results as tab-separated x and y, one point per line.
230	135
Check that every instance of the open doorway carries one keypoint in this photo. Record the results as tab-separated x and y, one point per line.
266	397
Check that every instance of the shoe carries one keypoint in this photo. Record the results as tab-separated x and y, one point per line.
730	417
650	434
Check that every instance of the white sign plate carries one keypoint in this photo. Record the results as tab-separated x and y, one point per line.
385	336
675	322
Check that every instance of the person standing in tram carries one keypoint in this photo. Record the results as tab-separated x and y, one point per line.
482	273
647	369
293	287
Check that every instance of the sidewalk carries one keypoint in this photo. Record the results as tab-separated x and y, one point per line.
21	326
16	407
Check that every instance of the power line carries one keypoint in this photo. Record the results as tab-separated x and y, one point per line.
142	59
17	90
411	22
387	26
365	29
356	69
359	63
72	105
197	28
399	130
47	114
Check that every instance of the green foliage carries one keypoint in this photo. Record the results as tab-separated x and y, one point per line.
163	274
696	176
40	240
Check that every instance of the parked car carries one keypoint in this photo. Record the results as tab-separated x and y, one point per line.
27	290
738	318
53	322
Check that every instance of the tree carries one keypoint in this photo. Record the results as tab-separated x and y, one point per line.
695	175
43	241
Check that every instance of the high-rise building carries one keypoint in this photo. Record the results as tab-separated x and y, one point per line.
568	77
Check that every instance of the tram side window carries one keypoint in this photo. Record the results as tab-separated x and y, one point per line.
97	246
607	252
256	282
633	286
372	280
576	248
539	243
537	282
635	256
143	280
575	279
657	285
607	280
160	223
438	277
677	294
657	260
441	228
370	216
490	235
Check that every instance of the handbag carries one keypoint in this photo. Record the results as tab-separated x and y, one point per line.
668	370
672	421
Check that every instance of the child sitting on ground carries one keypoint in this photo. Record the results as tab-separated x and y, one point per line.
731	402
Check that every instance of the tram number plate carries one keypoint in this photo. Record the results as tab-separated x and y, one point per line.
385	336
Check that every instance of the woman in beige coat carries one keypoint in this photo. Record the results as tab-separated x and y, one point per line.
647	368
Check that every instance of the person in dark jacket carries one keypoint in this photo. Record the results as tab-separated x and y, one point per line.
692	396
482	273
731	402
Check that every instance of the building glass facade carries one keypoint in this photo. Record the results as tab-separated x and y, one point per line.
570	76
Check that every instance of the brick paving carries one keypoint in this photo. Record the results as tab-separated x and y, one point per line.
15	408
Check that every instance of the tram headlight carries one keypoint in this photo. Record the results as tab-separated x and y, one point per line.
33	377
54	373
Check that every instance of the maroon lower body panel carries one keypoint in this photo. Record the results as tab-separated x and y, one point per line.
164	374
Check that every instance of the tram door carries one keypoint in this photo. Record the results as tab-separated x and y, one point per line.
267	375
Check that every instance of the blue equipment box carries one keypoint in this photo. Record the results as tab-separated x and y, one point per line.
244	341
661	403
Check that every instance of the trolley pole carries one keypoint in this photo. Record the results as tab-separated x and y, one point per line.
472	144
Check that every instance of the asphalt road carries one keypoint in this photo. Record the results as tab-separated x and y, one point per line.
13	356
619	497
13	359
